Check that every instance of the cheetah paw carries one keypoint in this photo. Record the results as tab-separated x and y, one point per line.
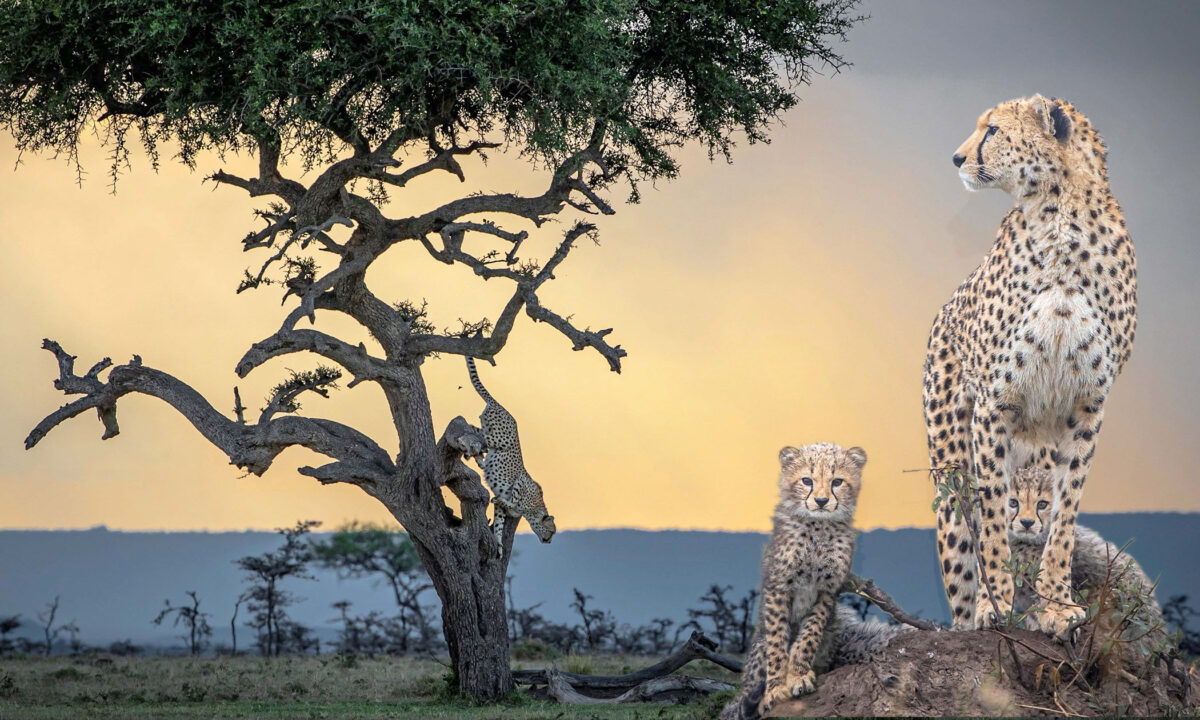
774	693
1056	619
802	683
985	612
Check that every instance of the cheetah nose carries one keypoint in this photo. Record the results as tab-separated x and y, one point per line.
959	159
821	502
1027	523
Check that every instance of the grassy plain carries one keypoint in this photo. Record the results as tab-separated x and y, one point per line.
101	687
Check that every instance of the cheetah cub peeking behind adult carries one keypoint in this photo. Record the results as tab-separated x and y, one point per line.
515	493
1094	562
1022	357
804	565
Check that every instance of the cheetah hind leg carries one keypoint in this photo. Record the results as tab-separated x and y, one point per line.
500	515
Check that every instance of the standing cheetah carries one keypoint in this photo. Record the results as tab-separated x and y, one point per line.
1021	359
515	493
804	565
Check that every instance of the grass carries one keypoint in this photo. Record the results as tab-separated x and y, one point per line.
102	687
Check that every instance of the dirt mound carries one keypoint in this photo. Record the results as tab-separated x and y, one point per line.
986	673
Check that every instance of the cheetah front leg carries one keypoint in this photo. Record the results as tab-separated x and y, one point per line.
993	602
1057	610
801	679
948	408
774	613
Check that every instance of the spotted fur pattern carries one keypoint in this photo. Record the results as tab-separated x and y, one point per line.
1093	562
804	565
515	493
1022	357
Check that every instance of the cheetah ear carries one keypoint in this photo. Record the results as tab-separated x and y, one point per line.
788	455
1062	123
857	455
1053	118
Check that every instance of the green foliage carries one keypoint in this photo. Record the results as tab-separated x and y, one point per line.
326	73
358	549
415	316
320	381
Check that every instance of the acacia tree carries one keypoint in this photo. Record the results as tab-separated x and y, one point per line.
372	97
196	622
362	549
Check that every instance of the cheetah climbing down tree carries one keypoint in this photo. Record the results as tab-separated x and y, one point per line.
1021	359
515	493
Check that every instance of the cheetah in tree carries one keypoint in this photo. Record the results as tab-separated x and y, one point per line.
1094	561
804	565
1022	357
515	493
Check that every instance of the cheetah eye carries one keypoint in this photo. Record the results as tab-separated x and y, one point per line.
991	131
1043	504
838	481
1012	503
807	481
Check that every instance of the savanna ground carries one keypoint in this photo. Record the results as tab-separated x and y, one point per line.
101	686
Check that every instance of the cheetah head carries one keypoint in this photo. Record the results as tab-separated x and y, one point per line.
1028	146
820	481
1030	496
543	527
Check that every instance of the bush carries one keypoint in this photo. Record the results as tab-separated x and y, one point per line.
533	649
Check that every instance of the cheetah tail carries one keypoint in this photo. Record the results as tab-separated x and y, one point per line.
479	388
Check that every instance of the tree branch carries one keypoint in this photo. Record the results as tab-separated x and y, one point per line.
443	159
354	358
251	447
867	589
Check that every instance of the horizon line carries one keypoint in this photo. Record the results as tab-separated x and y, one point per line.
102	527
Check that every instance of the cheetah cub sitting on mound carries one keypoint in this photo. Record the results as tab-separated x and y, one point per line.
516	494
1093	561
804	565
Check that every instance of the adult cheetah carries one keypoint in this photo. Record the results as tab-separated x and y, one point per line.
1022	357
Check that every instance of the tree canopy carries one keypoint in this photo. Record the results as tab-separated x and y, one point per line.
546	74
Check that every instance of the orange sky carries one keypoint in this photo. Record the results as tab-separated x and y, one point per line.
783	299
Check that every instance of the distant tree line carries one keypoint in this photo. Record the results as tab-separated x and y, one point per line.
387	555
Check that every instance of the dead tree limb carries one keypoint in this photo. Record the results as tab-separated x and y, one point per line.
868	590
661	689
698	647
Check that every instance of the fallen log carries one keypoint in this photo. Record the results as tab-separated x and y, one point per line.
669	688
612	687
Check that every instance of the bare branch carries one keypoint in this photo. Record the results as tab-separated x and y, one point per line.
252	447
354	358
580	339
866	588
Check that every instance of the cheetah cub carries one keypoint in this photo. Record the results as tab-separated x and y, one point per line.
1093	561
515	493
804	565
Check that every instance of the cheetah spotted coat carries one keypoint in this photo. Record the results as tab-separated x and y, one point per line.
805	563
1022	357
515	493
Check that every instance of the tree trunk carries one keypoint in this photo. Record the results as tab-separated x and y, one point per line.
459	553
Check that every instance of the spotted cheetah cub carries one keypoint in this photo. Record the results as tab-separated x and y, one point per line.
1093	561
515	493
804	565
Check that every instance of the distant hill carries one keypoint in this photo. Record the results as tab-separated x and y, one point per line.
113	583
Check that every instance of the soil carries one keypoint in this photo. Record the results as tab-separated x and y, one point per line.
926	673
